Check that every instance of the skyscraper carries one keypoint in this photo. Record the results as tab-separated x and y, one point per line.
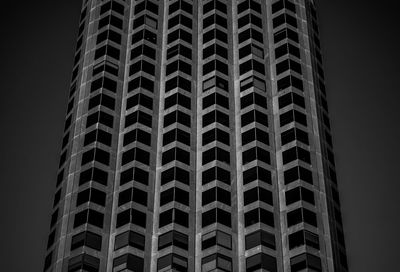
197	138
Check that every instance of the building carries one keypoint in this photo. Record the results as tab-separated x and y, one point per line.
197	138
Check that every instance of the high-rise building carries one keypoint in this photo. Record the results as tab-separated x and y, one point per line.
197	138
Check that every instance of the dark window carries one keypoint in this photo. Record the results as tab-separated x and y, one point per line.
130	238
216	215
178	82
93	195
296	153
141	82
216	173
296	173
289	81
216	262
253	98
98	135
173	238
216	237
217	82
215	34
177	116
261	261
92	217
254	116
180	4
84	262
136	174
177	154
215	135
143	50
255	134
291	98
304	261
249	4
260	237
131	216
132	194
179	19
303	237
258	194
215	65
176	135
144	34
287	48
259	215
288	64
177	99
100	117
179	49
175	173
256	153
96	154
215	153
174	216
137	135
129	262
179	34
299	194
215	98
301	215
172	262
251	64
138	117
216	194
88	239
135	154
286	33
292	116
215	116
257	173
284	18
174	194
94	174
294	134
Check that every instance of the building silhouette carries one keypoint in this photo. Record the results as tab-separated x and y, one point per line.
197	138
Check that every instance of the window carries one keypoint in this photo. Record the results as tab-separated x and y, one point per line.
110	20
103	82
100	117
303	237
128	262
215	153
178	65
304	261
216	262
216	194
214	4
174	216
107	50
133	216
88	239
146	5
294	134
84	262
215	116
291	98
301	215
254	116
215	34
143	50
216	173
258	194
296	173
129	238
180	19
249	4
177	154
98	135
251	49
260	237
173	238
261	261
284	18
175	173
145	20
142	66
289	81
251	64
141	82
96	154
180	4
176	135
253	98
217	82
94	174
292	116
216	215
285	49
179	34
172	262
174	194
132	194
288	64
137	135
92	217
215	49
252	81
136	174
137	154
299	194
177	99
179	49
215	19
112	5
256	153
138	117
255	134
251	34
215	65
215	98
257	173
216	237
296	153
249	19
178	82
177	116
286	33
93	195
144	34
110	35
215	135
259	215
279	5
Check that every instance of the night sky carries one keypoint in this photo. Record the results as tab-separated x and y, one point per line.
361	51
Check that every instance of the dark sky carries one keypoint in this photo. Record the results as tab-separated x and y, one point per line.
361	52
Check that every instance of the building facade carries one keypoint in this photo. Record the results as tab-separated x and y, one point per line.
197	138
